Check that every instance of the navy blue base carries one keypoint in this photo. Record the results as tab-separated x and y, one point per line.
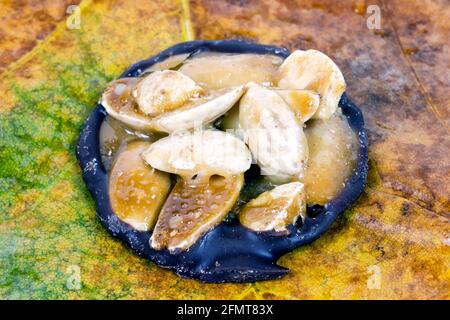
229	252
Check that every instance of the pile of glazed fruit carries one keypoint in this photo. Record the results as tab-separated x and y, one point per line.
199	137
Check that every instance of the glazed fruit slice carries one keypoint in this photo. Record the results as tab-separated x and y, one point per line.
273	134
137	191
200	154
163	91
194	112
215	71
198	112
192	208
332	157
313	70
274	210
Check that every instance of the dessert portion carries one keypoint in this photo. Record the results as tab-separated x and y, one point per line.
200	137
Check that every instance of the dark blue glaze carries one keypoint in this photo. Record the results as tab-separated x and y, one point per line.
229	252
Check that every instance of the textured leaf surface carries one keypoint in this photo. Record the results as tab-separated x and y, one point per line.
398	75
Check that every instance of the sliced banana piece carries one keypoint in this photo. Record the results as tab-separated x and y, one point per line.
163	91
215	71
273	134
304	103
192	209
200	153
313	70
274	210
137	191
198	112
333	151
119	103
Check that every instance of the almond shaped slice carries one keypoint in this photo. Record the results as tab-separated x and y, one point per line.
163	91
199	112
137	191
274	210
273	134
194	208
203	153
313	70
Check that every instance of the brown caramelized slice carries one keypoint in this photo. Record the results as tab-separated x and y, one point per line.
274	210
137	191
193	208
332	157
217	71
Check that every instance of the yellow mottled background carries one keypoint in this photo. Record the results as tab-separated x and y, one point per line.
393	243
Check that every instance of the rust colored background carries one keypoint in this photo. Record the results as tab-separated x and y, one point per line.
393	243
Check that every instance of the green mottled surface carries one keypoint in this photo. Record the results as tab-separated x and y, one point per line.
397	232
